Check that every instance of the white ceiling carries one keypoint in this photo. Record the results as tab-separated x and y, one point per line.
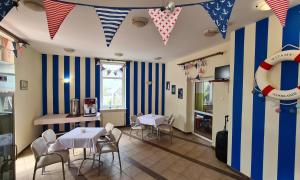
82	30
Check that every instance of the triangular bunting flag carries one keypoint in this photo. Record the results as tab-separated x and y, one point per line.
111	19
5	7
219	11
164	21
4	42
280	8
15	49
56	13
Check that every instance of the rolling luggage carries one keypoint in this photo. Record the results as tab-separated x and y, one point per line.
222	143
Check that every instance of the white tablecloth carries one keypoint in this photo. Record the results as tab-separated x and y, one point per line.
81	137
152	119
62	119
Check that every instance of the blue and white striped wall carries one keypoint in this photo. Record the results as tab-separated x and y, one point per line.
264	144
144	86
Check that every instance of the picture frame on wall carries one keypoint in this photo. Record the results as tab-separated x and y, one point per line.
23	85
168	85
180	93
173	89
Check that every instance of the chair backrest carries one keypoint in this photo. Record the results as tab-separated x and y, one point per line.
172	121
39	147
133	119
170	117
49	136
140	114
109	127
116	133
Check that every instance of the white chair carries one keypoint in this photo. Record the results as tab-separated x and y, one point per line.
167	128
49	136
135	125
111	146
44	158
140	114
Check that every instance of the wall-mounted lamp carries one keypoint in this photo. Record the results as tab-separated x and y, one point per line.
66	80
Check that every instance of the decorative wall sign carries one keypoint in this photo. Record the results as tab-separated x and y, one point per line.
180	93
23	85
262	71
168	85
173	89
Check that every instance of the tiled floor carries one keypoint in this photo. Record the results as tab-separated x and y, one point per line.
141	160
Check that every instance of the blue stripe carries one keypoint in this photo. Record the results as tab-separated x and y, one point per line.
150	89
55	89
287	120
127	93
156	87
67	89
237	98
44	86
87	77
77	78
135	88
143	88
97	89
163	89
258	119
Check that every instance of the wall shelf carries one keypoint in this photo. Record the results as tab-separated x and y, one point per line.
225	80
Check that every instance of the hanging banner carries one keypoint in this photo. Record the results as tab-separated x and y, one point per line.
111	19
164	21
56	13
5	7
15	50
220	11
280	9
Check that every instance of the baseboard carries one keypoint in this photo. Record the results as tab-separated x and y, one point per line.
182	131
238	172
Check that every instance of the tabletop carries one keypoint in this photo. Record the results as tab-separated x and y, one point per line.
152	119
81	137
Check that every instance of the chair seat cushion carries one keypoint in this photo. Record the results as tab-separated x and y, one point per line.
137	127
107	147
53	158
164	127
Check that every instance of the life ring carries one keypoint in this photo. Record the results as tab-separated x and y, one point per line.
262	72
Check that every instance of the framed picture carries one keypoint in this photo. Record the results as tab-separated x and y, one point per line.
173	89
180	93
23	85
168	85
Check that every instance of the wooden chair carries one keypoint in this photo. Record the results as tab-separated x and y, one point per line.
44	158
167	128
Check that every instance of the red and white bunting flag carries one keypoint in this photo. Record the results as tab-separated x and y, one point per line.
280	8
164	21
4	42
56	13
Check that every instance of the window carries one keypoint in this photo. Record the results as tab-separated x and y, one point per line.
203	96
113	86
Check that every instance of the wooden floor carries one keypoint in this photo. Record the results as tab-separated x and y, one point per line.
189	157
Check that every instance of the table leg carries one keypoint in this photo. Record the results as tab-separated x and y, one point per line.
84	158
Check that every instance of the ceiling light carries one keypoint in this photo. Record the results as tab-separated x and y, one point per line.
261	5
35	5
119	54
158	58
139	21
69	50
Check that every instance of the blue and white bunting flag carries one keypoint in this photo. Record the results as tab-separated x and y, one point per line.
5	7
219	11
111	19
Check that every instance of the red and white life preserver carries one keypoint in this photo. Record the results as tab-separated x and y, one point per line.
262	71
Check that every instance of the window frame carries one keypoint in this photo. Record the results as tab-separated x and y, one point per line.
102	87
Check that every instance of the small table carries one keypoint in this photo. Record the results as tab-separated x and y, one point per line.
152	120
81	137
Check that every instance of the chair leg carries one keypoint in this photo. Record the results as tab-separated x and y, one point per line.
94	156
43	170
69	163
142	134
99	164
63	169
34	171
130	131
171	137
113	155
119	159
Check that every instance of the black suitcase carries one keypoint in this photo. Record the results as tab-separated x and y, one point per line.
222	143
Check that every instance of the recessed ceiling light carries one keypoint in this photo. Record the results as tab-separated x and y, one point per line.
119	54
261	5
158	58
35	5
69	50
139	21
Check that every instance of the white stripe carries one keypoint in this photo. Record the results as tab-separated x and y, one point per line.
232	45
82	84
92	79
153	88
146	87
160	89
139	87
50	84
247	106
61	89
271	117
72	77
112	10
131	88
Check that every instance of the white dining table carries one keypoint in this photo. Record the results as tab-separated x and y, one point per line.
81	137
152	120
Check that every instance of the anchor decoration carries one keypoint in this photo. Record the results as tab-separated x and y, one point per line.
5	7
220	11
